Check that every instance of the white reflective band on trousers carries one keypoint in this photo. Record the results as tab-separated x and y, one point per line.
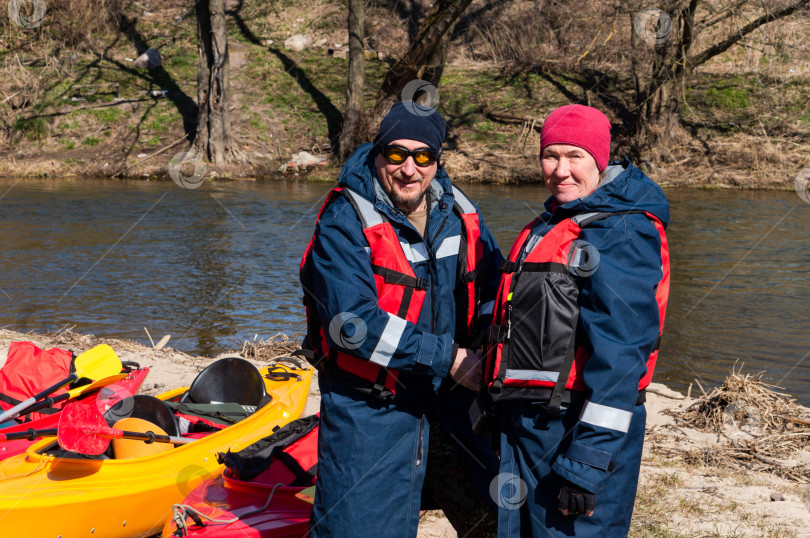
486	308
389	340
606	417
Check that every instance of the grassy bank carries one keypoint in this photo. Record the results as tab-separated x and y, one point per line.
82	108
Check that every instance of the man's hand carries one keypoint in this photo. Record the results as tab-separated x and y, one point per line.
466	368
575	500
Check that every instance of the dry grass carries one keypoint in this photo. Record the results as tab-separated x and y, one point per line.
270	349
765	428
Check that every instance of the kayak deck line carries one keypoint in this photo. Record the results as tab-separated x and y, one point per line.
41	465
183	511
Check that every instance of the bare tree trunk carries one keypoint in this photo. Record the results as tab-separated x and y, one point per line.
425	57
213	140
352	118
660	98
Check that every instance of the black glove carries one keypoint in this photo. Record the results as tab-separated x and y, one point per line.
574	500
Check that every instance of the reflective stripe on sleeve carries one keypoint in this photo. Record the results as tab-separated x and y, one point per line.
416	253
389	340
606	417
533	375
449	247
486	308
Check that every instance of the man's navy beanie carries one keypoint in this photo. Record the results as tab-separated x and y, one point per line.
408	120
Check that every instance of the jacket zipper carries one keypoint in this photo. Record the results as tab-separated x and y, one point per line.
433	269
421	439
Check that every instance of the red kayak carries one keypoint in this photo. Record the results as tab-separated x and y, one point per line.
226	498
256	505
107	395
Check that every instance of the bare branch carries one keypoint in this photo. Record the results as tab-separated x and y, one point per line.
723	15
735	37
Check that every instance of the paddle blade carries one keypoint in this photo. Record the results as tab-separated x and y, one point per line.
98	363
95	385
82	429
307	495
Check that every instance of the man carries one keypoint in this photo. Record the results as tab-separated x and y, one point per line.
394	279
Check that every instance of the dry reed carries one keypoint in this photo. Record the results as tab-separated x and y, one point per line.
766	429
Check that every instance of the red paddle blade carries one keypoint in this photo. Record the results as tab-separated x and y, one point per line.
82	429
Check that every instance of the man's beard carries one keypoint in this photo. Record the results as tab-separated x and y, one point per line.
410	203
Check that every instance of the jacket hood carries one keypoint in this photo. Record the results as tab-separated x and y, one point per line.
360	175
623	188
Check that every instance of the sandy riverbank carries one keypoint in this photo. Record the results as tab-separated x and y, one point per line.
688	487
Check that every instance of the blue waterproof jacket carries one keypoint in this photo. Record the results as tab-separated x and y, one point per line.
344	283
619	316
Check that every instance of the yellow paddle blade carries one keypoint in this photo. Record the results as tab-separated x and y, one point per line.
95	385
98	363
133	448
307	495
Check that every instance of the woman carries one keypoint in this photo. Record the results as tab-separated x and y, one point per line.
578	318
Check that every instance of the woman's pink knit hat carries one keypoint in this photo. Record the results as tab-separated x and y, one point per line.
580	126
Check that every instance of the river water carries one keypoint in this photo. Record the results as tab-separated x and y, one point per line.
218	265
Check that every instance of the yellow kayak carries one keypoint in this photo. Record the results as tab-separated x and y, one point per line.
46	496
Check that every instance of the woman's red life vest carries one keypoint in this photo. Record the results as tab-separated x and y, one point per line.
533	350
29	370
399	291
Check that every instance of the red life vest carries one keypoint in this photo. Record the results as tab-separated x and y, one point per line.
533	342
29	370
399	291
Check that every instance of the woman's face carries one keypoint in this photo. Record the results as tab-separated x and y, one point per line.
570	172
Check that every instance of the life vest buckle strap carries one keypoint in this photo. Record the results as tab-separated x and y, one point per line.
400	279
497	334
508	266
469	276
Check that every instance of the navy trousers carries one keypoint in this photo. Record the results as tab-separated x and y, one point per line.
372	456
531	440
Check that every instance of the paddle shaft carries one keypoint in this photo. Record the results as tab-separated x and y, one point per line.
30	434
16	411
149	437
108	433
50	400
